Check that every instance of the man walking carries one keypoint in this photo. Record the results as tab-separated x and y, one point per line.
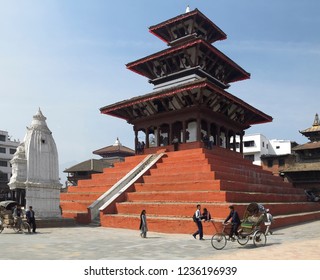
31	219
199	223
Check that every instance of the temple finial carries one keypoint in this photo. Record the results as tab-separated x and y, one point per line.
188	9
316	120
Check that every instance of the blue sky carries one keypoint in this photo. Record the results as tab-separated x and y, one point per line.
68	58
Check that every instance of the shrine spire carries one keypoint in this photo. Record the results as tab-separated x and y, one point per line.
316	120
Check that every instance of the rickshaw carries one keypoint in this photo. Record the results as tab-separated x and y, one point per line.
248	230
7	220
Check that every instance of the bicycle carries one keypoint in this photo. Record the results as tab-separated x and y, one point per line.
219	240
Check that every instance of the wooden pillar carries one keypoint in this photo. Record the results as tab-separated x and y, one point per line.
158	137
184	132
147	137
135	139
227	139
218	136
241	142
234	142
198	136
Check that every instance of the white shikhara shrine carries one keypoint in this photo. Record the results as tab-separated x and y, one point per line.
35	169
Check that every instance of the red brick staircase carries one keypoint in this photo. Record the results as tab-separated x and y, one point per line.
171	189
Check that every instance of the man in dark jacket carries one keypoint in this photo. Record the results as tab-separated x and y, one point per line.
235	221
199	223
31	219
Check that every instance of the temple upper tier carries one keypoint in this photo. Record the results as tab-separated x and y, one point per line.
187	26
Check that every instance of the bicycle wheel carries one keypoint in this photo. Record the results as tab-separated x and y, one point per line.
25	227
15	228
218	241
243	239
259	239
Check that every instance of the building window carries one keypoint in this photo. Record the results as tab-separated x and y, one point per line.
12	151
43	141
270	162
263	144
3	138
281	162
2	150
248	144
249	157
3	163
3	177
277	147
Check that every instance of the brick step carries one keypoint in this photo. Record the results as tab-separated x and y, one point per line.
215	185
167	178
263	197
254	178
187	226
223	153
80	196
187	196
204	167
181	168
217	210
98	182
93	188
212	159
80	206
109	176
71	214
203	185
111	170
217	151
212	196
132	159
216	165
123	165
283	187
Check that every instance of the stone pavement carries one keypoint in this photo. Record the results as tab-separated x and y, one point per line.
300	242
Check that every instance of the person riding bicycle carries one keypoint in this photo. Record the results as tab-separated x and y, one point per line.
18	215
235	222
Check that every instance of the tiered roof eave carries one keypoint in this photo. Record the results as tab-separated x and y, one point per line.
121	109
157	29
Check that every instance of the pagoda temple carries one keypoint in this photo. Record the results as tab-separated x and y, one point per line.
190	78
177	170
305	171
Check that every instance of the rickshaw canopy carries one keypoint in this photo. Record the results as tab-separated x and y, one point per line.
8	204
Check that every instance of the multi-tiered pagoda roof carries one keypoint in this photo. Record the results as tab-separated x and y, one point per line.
190	79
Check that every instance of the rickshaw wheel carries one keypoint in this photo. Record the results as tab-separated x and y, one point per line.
218	241
1	225
15	228
259	239
243	240
25	227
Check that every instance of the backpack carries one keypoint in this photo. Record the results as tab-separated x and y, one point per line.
194	217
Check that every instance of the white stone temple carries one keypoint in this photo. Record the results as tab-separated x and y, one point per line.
35	170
